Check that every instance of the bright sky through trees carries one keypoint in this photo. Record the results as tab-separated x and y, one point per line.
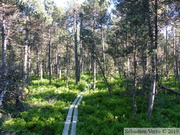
64	3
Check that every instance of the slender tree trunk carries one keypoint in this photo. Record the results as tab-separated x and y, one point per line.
174	53
40	62
76	45
128	58
57	66
94	74
93	56
166	55
103	49
29	61
60	73
81	68
49	58
81	62
37	60
134	87
41	70
156	43
67	65
25	61
176	56
135	78
177	62
4	47
44	68
153	60
90	68
25	71
128	67
4	42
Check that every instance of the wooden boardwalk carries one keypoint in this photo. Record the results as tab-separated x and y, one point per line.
72	117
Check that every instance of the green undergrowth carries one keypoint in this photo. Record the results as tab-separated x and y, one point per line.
47	107
101	115
172	83
98	114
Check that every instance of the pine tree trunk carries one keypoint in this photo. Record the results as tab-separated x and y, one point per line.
49	58
128	67
25	63
94	71
44	68
4	42
135	80
176	57
29	62
81	62
153	60
57	66
37	60
41	70
166	55
103	49
76	45
93	56
67	65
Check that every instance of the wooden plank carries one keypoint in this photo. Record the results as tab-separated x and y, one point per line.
72	120
69	117
75	115
68	121
76	100
79	101
66	128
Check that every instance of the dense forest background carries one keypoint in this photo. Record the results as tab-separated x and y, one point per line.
136	41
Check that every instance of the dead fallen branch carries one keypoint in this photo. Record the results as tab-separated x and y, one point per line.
166	88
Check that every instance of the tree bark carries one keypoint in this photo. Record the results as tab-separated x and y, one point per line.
103	49
3	93
41	71
4	41
67	65
25	62
166	55
57	66
153	59
76	45
135	79
29	62
37	61
49	57
93	56
176	56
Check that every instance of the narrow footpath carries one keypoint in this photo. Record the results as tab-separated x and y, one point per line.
72	116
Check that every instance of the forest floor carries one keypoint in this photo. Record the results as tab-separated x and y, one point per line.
47	107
